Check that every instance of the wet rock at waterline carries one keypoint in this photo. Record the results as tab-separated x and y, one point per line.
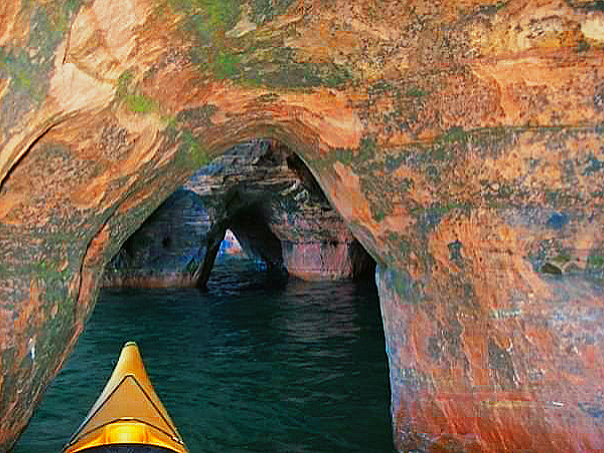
460	142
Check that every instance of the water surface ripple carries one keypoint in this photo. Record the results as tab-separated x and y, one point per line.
245	367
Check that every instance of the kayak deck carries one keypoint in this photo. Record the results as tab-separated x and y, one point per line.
127	448
128	416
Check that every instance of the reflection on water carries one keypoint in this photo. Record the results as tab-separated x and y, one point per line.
243	367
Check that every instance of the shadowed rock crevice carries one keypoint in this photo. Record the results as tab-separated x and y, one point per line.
214	239
250	227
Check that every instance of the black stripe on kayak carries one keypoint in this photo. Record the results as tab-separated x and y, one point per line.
127	448
79	434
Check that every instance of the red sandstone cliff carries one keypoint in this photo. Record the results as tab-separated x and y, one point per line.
460	141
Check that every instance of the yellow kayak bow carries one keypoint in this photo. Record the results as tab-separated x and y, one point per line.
128	413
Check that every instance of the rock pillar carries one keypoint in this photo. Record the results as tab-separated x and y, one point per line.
527	376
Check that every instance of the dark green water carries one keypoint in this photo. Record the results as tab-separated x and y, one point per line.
241	368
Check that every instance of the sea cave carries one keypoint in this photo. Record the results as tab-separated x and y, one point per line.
452	151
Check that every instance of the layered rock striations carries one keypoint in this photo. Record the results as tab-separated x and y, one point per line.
460	141
166	249
266	195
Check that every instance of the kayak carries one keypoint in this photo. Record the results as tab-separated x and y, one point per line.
128	415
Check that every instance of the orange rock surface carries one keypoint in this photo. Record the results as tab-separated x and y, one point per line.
461	141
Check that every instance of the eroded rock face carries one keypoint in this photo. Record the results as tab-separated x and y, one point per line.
167	249
263	193
460	141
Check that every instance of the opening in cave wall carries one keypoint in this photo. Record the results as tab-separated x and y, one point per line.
264	194
230	246
286	337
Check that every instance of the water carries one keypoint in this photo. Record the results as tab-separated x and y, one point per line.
241	368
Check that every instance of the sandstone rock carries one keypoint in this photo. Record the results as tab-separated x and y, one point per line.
447	134
167	248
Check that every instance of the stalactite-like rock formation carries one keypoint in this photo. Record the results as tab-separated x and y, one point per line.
460	141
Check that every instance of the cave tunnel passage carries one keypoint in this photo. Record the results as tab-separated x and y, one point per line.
244	365
249	227
269	199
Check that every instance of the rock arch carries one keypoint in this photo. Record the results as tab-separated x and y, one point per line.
267	197
460	141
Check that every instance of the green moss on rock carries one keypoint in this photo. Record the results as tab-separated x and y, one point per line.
257	58
204	15
596	261
226	65
141	104
134	100
416	92
193	151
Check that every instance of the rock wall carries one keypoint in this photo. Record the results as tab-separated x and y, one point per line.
167	249
460	141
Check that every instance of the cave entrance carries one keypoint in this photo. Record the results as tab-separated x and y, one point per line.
230	246
248	364
246	223
268	199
